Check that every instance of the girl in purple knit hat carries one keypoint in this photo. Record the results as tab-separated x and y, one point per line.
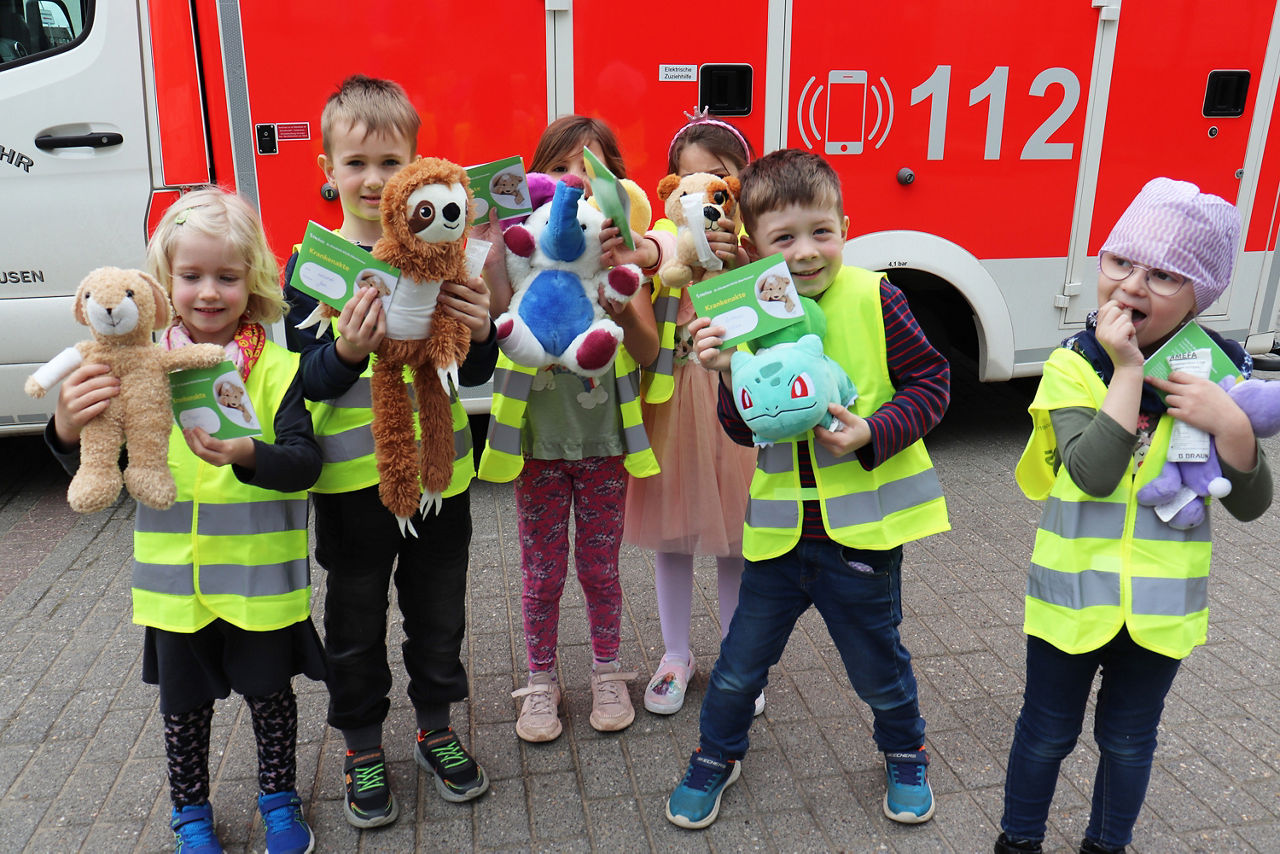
1111	586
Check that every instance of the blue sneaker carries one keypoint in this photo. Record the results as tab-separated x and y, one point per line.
193	830
908	797
287	830
696	801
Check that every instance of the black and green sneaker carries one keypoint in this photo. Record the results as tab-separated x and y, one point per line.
458	777
369	800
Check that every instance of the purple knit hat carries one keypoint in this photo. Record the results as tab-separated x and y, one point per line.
1172	226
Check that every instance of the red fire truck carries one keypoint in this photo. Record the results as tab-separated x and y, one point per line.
984	150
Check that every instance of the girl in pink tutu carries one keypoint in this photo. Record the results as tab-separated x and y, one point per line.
697	504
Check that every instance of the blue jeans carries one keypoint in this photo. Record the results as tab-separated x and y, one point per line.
1134	684
858	594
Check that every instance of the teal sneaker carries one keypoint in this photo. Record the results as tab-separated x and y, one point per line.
908	798
193	830
287	831
696	801
458	777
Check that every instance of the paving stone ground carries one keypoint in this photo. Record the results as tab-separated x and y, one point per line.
82	760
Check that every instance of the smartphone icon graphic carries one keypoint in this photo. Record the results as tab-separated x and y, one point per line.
846	111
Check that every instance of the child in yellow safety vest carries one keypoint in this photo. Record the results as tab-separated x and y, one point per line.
1112	586
221	579
369	130
569	442
828	511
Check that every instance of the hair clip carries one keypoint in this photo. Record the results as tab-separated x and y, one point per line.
182	216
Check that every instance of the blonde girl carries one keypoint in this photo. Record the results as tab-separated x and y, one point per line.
221	580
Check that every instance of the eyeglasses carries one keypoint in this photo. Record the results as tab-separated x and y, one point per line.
1161	282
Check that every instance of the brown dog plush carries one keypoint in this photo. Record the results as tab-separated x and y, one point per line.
719	201
122	307
425	220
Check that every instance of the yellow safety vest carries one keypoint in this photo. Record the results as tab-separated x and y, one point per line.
503	457
343	430
225	550
1102	563
658	379
898	501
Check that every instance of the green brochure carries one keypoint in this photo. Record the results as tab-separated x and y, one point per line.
331	268
609	193
215	399
750	301
499	185
1187	342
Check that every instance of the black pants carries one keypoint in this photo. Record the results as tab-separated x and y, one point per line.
357	542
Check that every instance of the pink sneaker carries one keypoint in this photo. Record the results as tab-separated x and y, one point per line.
539	719
666	691
610	704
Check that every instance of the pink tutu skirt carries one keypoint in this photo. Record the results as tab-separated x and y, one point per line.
697	503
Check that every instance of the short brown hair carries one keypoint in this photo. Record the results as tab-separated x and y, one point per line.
785	177
380	106
568	135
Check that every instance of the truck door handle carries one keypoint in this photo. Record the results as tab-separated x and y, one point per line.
87	140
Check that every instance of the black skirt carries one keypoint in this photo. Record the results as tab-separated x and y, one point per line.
195	668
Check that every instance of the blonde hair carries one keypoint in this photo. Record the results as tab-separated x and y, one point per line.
379	106
214	212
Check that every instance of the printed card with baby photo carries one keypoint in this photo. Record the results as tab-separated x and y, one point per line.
331	268
750	301
214	399
501	186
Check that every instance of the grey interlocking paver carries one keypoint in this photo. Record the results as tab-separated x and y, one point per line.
82	758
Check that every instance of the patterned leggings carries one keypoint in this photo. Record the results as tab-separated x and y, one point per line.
186	747
597	489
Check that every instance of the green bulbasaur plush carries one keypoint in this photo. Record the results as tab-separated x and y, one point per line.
784	388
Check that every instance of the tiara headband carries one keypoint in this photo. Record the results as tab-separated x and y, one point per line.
700	117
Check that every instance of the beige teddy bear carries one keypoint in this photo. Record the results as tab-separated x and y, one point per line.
231	396
508	184
122	307
775	288
719	201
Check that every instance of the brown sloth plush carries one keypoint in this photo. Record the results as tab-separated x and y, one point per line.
122	307
425	221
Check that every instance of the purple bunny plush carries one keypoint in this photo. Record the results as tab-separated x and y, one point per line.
1260	400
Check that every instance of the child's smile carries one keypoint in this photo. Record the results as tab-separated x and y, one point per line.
810	238
210	291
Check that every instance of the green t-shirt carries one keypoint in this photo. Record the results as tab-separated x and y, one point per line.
570	417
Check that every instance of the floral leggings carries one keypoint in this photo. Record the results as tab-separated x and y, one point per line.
597	489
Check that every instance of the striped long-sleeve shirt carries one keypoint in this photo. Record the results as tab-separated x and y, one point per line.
921	378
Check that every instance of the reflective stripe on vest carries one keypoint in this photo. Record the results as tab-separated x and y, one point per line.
659	377
658	381
225	549
1103	563
343	430
899	501
503	457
